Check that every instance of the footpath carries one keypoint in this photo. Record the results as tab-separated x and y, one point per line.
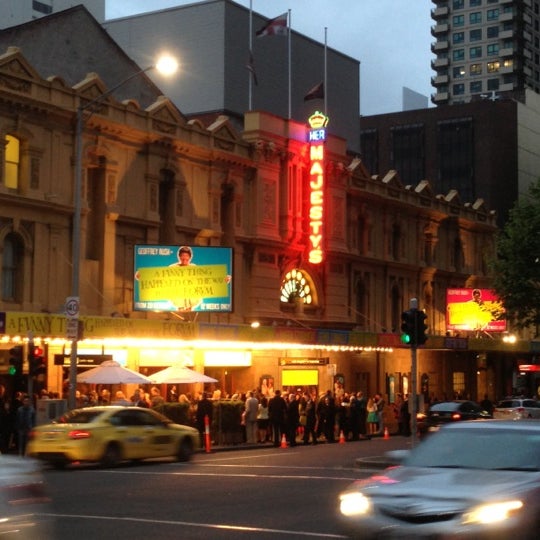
371	452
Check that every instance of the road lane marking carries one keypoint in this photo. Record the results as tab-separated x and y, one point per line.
215	526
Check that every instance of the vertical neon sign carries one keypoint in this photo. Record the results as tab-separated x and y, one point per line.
317	137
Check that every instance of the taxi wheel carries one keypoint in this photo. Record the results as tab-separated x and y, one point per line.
112	455
185	449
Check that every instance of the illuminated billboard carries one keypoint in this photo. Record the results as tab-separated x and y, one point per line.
182	278
476	310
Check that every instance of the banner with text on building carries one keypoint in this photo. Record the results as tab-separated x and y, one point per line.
476	310
182	278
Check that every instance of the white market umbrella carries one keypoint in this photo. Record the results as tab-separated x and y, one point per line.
111	372
180	375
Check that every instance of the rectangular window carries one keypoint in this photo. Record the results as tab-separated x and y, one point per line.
458	54
475	3
493	49
458	89
11	162
458	37
476	69
458	383
458	4
493	84
475	18
475	35
408	155
492	31
458	20
475	87
475	52
493	14
458	72
493	67
455	156
40	7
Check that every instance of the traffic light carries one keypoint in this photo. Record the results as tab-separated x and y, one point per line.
421	328
16	360
413	327
36	360
407	327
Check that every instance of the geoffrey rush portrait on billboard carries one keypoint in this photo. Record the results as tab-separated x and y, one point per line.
182	278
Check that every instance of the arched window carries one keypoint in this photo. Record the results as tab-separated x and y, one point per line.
11	161
297	284
12	262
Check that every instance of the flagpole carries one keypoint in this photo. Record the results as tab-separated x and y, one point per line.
250	43
325	71
289	63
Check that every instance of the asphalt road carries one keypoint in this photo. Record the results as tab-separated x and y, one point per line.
263	492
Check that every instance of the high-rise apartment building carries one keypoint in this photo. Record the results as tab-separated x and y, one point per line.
14	12
485	49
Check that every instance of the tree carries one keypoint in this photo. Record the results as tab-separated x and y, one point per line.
517	265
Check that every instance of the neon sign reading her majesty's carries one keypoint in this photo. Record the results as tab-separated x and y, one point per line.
317	136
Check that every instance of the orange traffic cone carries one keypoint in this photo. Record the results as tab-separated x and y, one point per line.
386	433
283	441
341	437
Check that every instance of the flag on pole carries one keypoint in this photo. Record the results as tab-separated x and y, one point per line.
250	66
317	92
274	27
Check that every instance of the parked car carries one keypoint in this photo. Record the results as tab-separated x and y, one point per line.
449	411
474	480
24	502
516	409
109	435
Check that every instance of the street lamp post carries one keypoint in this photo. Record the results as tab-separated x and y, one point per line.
165	65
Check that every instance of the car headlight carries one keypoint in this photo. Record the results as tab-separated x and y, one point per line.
492	513
353	503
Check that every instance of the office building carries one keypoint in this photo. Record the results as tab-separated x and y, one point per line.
485	49
15	12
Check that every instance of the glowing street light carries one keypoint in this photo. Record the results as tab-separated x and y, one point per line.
167	65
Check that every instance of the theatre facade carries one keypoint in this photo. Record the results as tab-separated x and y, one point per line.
320	257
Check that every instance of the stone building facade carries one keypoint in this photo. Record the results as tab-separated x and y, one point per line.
151	177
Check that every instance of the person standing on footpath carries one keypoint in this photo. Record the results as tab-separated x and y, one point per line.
24	423
293	418
380	403
310	429
277	413
251	408
5	421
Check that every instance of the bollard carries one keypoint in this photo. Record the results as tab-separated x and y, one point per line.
207	441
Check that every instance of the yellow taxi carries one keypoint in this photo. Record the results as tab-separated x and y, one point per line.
109	435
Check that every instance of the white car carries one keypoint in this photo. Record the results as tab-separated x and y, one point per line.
470	480
516	409
24	502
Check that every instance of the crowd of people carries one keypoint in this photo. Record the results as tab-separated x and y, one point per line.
294	417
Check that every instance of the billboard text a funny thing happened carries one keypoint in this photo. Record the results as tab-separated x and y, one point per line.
182	278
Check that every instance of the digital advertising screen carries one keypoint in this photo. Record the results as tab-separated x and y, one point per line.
476	310
182	278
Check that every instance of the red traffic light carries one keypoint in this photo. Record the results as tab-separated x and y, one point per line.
38	351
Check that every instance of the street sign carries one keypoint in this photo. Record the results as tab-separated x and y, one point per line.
72	307
72	327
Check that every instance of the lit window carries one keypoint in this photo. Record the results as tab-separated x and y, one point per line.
297	284
11	162
493	67
458	72
476	69
458	380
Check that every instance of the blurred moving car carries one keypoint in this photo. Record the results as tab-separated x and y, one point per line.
516	409
449	411
109	435
471	480
24	502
